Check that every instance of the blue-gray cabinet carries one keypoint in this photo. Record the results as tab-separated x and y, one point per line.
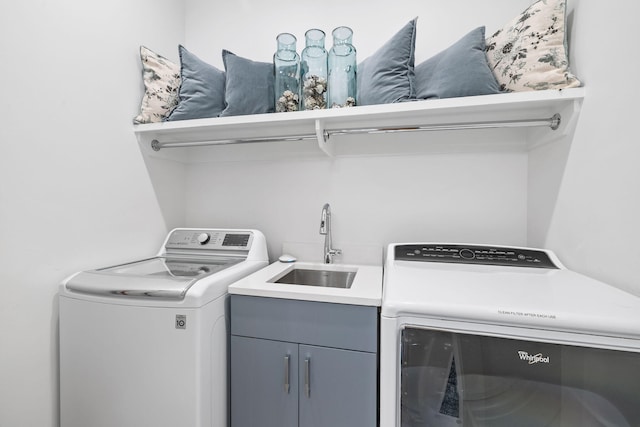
303	363
258	380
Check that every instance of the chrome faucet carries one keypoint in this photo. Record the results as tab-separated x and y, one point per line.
325	229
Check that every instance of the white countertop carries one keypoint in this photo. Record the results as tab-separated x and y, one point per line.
366	288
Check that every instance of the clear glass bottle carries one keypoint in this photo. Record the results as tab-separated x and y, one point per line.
314	72
286	63
342	69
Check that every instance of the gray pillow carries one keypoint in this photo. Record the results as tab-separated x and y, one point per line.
249	88
202	91
459	70
387	75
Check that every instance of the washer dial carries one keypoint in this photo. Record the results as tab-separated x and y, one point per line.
204	238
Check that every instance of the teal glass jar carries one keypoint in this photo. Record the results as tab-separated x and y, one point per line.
314	71
342	69
286	62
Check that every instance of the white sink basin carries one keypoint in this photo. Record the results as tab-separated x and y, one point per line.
338	283
309	276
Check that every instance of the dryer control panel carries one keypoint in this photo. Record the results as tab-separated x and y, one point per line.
474	254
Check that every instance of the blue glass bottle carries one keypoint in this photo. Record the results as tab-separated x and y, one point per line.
286	63
342	69
313	70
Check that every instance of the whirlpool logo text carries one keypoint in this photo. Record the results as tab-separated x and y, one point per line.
533	358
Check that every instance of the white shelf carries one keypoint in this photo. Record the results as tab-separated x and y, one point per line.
315	130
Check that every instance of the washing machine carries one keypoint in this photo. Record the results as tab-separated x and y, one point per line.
493	336
145	343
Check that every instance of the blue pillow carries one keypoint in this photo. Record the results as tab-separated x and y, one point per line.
249	87
387	75
202	91
459	70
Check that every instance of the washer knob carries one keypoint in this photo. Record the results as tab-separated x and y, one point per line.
204	238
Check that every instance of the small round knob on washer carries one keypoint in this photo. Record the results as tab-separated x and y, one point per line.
204	238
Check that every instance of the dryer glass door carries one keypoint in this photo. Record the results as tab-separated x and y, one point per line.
449	379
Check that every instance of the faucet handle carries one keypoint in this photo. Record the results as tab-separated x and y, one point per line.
328	256
331	254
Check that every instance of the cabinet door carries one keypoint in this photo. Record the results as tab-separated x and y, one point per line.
264	383
337	387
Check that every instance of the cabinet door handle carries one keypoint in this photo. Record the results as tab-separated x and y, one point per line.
307	375
286	374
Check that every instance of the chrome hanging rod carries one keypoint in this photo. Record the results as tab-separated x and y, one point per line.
553	123
157	145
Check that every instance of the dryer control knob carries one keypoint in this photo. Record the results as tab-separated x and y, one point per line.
204	238
467	254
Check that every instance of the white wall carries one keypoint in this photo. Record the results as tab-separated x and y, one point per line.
74	186
374	200
585	191
249	27
74	189
478	197
582	190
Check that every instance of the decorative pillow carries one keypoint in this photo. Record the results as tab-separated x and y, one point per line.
161	81
459	70
202	90
249	86
387	75
530	52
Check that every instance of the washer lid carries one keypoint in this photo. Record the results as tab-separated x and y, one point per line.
159	277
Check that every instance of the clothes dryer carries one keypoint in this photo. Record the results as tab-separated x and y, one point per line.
145	343
490	336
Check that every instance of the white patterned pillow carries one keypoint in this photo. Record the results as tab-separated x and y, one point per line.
530	53
161	81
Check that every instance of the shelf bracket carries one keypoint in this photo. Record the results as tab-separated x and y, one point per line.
323	138
563	128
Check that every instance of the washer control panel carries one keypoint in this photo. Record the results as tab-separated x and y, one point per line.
474	254
210	240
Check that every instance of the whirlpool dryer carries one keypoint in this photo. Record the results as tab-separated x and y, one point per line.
488	336
145	343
